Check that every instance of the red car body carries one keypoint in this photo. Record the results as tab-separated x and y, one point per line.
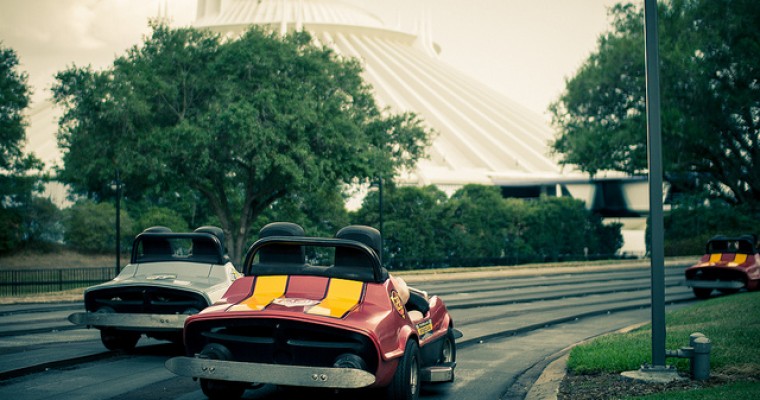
728	265
346	325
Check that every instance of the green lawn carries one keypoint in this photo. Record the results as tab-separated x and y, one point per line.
735	391
732	323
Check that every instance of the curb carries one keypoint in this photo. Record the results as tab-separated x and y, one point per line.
546	387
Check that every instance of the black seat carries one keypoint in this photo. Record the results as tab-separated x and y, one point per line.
351	263
205	250
156	249
417	302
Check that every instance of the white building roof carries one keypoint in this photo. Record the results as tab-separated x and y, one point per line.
480	134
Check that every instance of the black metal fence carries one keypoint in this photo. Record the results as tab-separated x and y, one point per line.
32	281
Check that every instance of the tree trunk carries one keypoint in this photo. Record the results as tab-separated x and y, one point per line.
237	251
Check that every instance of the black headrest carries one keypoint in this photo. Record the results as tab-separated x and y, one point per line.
281	229
156	246
157	229
363	234
216	231
276	253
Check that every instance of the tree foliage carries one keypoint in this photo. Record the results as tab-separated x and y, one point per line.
89	227
14	98
710	53
238	123
20	173
422	226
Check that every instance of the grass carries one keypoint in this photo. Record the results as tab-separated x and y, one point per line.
732	323
30	259
734	391
76	294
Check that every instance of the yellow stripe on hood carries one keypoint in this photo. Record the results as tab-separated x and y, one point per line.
738	260
342	296
266	289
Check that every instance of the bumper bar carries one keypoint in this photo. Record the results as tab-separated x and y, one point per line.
714	284
292	375
129	321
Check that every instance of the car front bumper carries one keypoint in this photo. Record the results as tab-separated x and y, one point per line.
130	321
290	375
714	284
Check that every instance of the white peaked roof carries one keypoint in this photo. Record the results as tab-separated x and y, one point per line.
481	136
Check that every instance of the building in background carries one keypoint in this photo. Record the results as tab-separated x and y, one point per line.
481	136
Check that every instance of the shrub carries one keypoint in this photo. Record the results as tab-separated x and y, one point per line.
89	227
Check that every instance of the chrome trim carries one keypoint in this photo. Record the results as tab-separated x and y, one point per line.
129	321
694	283
292	375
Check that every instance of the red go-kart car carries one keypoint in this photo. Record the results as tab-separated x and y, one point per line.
729	264
338	321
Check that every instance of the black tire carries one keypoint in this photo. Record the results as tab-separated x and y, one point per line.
702	293
220	390
119	340
448	351
729	291
406	381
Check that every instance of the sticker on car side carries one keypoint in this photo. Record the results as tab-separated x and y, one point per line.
425	328
397	303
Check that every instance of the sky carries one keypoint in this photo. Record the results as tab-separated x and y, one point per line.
524	49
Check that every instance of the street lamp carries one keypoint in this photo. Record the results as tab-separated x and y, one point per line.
117	186
379	185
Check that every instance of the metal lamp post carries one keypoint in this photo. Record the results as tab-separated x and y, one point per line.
379	185
117	185
654	148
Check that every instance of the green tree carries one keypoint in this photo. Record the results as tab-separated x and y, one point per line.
89	227
240	123
480	220
710	52
413	225
19	173
160	216
562	226
320	212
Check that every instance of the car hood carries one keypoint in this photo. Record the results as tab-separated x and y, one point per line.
726	260
300	296
196	277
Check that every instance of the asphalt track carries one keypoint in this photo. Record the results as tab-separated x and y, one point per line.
515	322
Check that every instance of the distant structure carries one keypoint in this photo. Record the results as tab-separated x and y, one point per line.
482	137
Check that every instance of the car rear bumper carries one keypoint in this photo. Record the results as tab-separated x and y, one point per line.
130	321
291	375
714	284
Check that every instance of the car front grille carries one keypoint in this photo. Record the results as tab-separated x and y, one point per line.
273	341
145	300
716	274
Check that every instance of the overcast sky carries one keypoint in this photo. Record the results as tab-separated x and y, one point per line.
522	48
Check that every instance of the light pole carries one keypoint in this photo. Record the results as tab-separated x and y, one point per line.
117	185
654	149
379	185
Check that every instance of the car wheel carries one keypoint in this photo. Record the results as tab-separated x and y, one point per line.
119	340
729	291
406	381
449	351
702	293
214	389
